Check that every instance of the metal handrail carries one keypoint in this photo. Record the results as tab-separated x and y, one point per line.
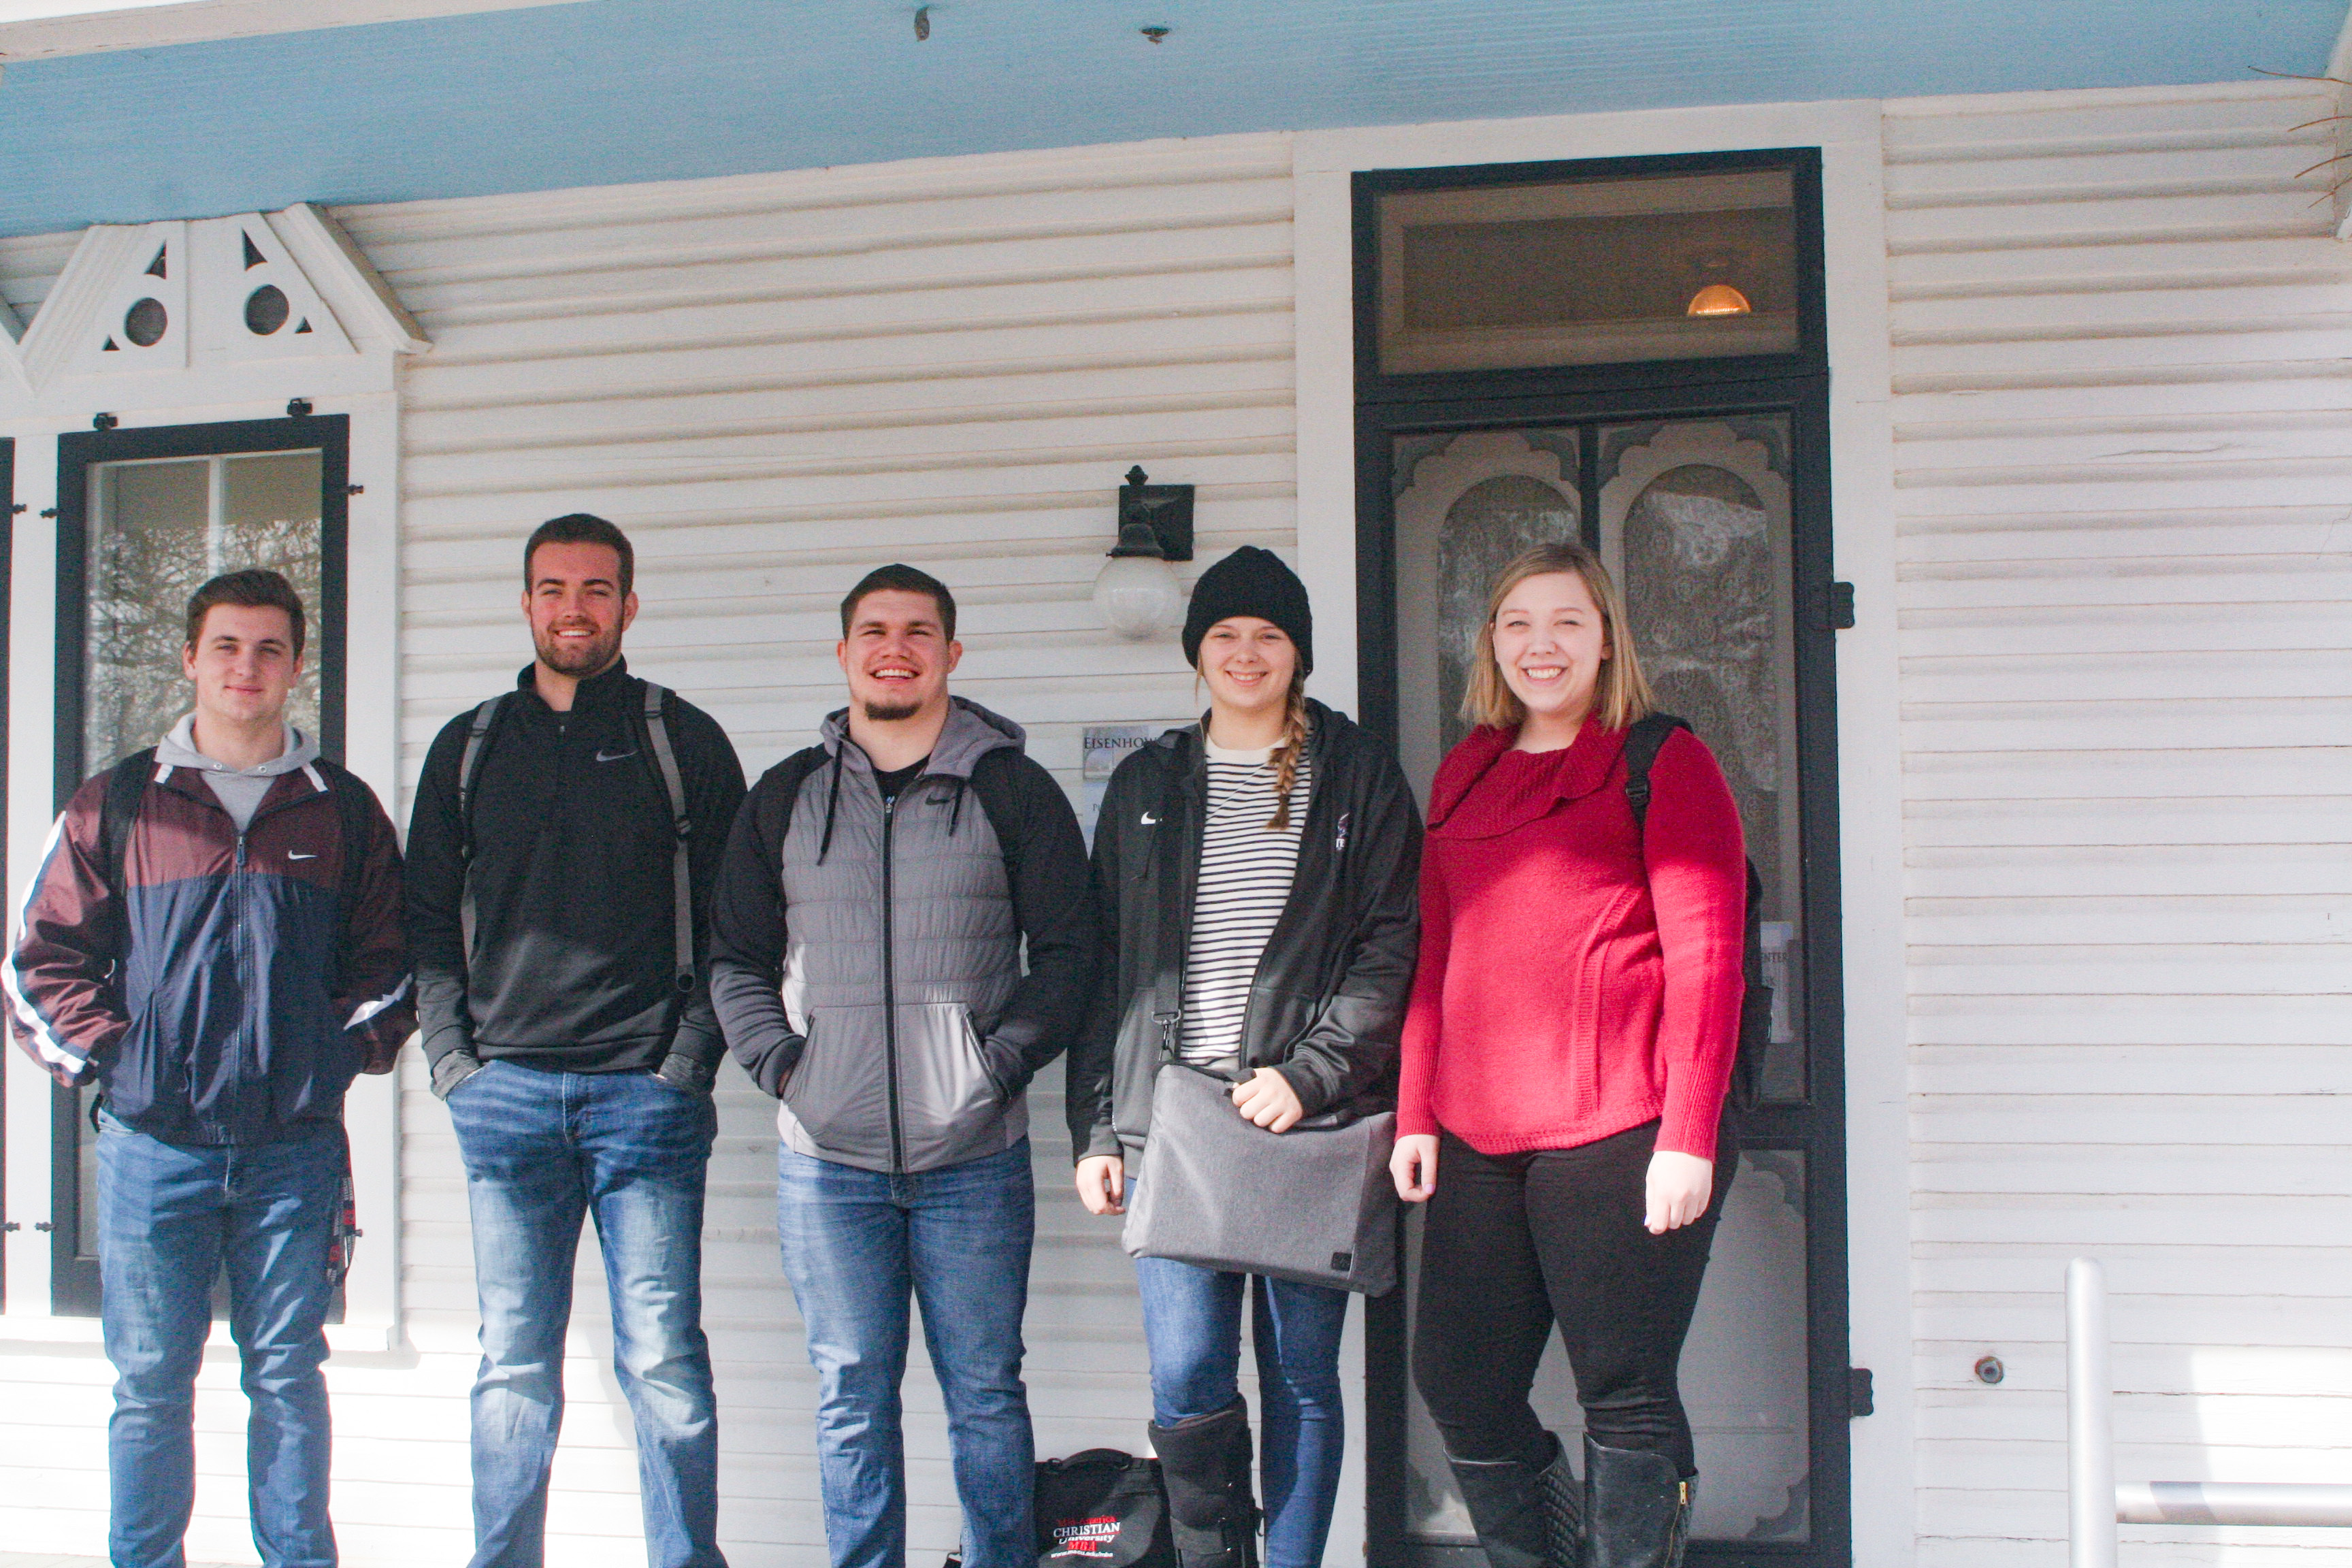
2096	1504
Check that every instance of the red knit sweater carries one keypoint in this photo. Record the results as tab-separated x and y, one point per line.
1578	977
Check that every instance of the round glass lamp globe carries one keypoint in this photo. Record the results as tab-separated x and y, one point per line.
1139	596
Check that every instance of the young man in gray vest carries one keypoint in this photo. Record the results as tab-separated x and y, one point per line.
866	965
561	850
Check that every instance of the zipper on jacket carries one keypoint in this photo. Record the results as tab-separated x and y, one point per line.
890	997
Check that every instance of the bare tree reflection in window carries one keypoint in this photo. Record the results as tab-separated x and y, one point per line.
1699	589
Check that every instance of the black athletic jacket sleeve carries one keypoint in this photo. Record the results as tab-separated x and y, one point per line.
1046	862
747	928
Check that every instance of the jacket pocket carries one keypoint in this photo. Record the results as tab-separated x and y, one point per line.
948	1105
839	1091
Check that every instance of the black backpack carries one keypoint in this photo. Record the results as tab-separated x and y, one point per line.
126	788
1102	1507
1643	740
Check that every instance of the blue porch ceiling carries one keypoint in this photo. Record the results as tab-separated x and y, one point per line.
613	91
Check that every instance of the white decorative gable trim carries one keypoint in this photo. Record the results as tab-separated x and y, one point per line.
162	314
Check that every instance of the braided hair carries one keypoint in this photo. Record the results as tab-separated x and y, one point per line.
1290	751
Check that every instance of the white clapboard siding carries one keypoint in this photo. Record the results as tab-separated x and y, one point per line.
2122	453
28	267
774	384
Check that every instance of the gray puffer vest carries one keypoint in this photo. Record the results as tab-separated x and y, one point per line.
901	948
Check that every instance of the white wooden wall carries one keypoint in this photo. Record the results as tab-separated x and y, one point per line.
2120	326
774	385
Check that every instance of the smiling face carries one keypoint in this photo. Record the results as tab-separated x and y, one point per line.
243	665
1247	664
576	608
1550	641
898	656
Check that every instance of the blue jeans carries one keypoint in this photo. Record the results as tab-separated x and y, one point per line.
856	1243
169	1216
542	1151
1192	1323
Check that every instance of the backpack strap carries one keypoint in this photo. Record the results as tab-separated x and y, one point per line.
681	872
126	788
478	733
1644	740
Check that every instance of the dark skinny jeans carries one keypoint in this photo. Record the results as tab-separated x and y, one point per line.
1516	1242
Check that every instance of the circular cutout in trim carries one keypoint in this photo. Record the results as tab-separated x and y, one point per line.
145	322
266	309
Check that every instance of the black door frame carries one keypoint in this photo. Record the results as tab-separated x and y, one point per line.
1796	386
73	1280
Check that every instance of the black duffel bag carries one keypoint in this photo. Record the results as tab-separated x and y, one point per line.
1102	1507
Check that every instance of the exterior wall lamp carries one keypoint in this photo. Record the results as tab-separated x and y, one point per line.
1137	591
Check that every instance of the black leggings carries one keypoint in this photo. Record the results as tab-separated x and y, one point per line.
1516	1242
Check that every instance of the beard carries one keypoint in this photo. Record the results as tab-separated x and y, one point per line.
878	713
578	659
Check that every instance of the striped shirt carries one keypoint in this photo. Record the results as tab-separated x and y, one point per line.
1245	875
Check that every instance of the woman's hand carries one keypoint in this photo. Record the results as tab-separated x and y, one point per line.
1266	1097
1679	1188
1102	1184
1413	1165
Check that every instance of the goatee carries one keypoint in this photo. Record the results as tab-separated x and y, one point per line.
890	712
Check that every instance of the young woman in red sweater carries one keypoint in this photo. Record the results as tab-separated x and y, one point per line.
1566	1057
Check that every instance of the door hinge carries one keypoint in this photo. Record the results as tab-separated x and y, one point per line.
1857	1393
1840	606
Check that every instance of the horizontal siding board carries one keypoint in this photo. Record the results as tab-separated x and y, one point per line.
2117	329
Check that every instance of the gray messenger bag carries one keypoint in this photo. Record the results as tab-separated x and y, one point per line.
1313	1205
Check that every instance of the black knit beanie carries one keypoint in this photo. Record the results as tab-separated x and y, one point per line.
1251	582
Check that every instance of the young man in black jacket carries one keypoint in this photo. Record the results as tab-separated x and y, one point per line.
868	929
557	830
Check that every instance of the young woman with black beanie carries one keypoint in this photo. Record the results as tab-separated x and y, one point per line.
1254	876
1565	1065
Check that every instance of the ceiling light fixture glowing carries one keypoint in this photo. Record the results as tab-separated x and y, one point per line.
1719	299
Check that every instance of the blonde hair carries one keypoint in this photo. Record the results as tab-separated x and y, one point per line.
1619	695
1291	749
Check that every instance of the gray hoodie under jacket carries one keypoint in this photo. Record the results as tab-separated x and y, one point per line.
867	954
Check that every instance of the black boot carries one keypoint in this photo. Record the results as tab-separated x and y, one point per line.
1524	1513
1637	1508
1205	1462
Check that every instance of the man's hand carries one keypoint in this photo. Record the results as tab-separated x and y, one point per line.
1102	1184
1266	1097
454	1069
1413	1165
1679	1187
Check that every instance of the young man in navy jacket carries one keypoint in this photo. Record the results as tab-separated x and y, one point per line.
218	947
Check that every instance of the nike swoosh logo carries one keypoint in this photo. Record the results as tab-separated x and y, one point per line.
1149	820
291	855
612	756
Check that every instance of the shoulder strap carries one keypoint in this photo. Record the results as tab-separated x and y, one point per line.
1643	741
126	786
476	735
681	873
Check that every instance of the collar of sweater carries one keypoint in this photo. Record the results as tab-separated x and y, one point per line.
1486	789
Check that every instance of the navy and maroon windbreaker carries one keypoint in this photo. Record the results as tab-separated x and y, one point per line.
241	1012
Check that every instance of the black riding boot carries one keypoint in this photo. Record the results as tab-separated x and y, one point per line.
1637	1508
1524	1513
1205	1462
